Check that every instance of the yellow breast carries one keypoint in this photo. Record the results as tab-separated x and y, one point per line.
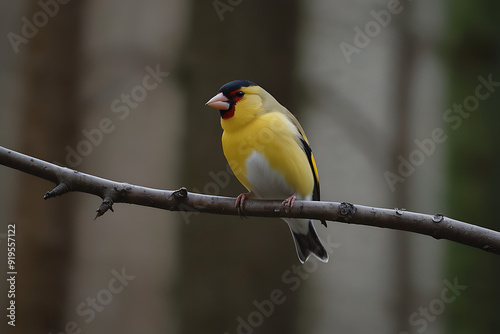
275	137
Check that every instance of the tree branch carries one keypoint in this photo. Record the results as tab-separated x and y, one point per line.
112	192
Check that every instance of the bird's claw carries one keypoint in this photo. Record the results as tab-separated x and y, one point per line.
240	204
288	203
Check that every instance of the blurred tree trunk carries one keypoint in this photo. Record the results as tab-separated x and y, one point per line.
49	117
474	159
406	55
228	263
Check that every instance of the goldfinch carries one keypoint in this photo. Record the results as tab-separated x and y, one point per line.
268	152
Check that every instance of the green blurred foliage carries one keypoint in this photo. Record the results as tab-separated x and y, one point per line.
473	171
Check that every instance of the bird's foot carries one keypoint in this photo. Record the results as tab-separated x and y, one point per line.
240	204
288	203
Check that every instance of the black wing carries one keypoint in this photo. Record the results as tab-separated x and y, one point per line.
307	149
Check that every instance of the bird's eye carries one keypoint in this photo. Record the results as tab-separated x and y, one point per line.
240	94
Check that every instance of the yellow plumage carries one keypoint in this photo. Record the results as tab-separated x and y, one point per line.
273	135
268	152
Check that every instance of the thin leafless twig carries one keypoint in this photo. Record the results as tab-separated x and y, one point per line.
111	192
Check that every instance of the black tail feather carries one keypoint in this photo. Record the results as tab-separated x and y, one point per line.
307	244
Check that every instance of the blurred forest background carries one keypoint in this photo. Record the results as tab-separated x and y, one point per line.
399	101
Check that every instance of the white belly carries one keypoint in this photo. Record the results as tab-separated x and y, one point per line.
266	182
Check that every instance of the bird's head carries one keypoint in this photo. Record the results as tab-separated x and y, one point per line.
239	102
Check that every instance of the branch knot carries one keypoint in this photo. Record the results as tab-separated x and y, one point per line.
180	194
347	209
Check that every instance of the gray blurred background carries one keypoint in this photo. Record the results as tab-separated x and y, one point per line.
400	105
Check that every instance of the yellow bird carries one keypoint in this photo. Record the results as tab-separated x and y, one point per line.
268	152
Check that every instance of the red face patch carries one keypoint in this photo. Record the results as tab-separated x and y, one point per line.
228	114
235	96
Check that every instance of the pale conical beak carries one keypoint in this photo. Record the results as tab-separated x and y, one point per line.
219	101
